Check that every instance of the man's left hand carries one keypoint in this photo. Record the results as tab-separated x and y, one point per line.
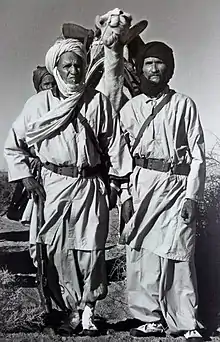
113	198
189	211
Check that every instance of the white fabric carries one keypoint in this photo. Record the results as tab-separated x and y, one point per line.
61	46
175	135
162	289
72	146
43	127
151	327
192	334
88	319
58	116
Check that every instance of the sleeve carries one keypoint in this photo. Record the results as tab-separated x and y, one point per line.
15	148
195	135
112	142
126	114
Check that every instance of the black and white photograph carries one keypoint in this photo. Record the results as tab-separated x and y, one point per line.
110	170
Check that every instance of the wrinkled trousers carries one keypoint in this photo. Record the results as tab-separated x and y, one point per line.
75	277
162	289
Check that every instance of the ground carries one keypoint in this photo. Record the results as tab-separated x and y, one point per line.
19	299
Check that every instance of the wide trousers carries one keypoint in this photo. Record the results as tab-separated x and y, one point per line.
162	289
75	277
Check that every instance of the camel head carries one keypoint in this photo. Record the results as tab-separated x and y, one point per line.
113	28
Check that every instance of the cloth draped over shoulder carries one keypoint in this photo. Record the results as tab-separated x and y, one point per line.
58	116
71	202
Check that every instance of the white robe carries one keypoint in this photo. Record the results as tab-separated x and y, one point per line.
85	199
175	135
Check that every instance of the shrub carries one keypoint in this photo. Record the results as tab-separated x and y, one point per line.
6	192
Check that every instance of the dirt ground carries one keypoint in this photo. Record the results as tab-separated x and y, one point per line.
19	299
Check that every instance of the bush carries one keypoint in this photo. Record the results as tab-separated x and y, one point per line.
6	192
17	308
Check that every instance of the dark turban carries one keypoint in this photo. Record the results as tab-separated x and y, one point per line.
159	50
38	75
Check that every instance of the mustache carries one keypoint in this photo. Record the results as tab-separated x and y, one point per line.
155	73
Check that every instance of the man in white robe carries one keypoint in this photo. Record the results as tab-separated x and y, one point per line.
76	204
20	208
166	184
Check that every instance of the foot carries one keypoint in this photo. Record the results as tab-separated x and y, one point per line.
148	329
193	336
89	327
74	320
70	324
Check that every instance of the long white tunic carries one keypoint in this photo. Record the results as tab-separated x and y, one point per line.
175	135
78	204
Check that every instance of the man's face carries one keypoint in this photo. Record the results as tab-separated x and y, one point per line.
71	68
47	82
154	70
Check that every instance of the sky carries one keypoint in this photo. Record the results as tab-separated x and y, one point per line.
191	27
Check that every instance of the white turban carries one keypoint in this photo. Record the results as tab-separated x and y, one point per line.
53	56
58	116
61	46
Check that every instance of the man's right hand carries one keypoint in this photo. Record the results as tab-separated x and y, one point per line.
127	210
34	188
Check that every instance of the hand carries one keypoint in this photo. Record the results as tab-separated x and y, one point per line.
189	211
35	164
127	210
113	198
34	188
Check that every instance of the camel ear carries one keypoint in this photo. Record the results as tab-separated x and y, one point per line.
135	30
98	23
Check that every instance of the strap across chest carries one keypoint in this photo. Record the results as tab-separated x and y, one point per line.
151	117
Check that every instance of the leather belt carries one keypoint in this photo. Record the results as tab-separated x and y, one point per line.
162	165
73	171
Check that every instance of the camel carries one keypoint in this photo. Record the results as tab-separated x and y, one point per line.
112	53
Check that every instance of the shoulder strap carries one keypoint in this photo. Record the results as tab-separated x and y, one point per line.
147	122
90	132
76	113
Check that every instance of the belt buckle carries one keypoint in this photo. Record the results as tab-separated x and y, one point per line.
81	172
72	171
59	170
165	166
149	163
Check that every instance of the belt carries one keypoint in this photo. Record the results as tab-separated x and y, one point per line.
162	165
73	171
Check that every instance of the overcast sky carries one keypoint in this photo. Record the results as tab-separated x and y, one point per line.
191	27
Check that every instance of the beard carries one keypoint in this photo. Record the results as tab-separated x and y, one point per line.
150	88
